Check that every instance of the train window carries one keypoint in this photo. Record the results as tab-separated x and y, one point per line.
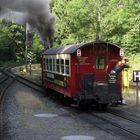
67	67
100	62
57	66
44	63
53	65
62	66
47	65
50	64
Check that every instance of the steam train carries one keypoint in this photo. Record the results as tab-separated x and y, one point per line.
85	72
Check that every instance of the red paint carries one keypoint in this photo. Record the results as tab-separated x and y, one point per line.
86	63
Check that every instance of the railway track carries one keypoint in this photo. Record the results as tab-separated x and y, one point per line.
116	122
6	80
3	78
5	83
126	115
24	81
130	128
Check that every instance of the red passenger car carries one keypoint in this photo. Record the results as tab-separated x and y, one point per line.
84	72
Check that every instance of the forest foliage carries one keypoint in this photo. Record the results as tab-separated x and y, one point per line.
116	21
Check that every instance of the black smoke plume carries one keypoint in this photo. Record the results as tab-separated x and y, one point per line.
34	12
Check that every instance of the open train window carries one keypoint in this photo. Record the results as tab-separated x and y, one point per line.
47	64
57	66
67	66
100	62
62	66
50	64
53	65
44	63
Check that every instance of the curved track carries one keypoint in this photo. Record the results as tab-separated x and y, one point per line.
128	127
3	78
24	81
5	83
21	104
7	78
113	121
126	115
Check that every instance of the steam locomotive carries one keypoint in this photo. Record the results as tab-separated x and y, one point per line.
85	72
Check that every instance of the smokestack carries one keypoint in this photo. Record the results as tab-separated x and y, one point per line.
35	12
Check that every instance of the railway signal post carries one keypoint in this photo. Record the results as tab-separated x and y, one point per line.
29	43
136	78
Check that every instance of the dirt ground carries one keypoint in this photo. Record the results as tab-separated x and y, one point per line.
35	74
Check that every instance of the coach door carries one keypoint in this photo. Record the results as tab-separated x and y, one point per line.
100	62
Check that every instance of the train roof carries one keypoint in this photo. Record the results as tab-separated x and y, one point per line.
69	49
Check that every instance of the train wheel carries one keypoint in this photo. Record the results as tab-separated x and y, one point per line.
83	104
102	107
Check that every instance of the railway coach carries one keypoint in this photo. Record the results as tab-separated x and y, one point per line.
86	72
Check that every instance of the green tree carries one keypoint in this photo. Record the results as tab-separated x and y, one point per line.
78	21
116	21
6	48
74	21
37	49
131	40
12	41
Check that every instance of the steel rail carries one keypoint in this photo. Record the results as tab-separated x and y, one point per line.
24	81
116	125
4	79
5	88
21	79
2	95
125	117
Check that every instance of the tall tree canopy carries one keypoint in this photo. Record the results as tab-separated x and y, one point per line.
13	43
116	21
12	38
